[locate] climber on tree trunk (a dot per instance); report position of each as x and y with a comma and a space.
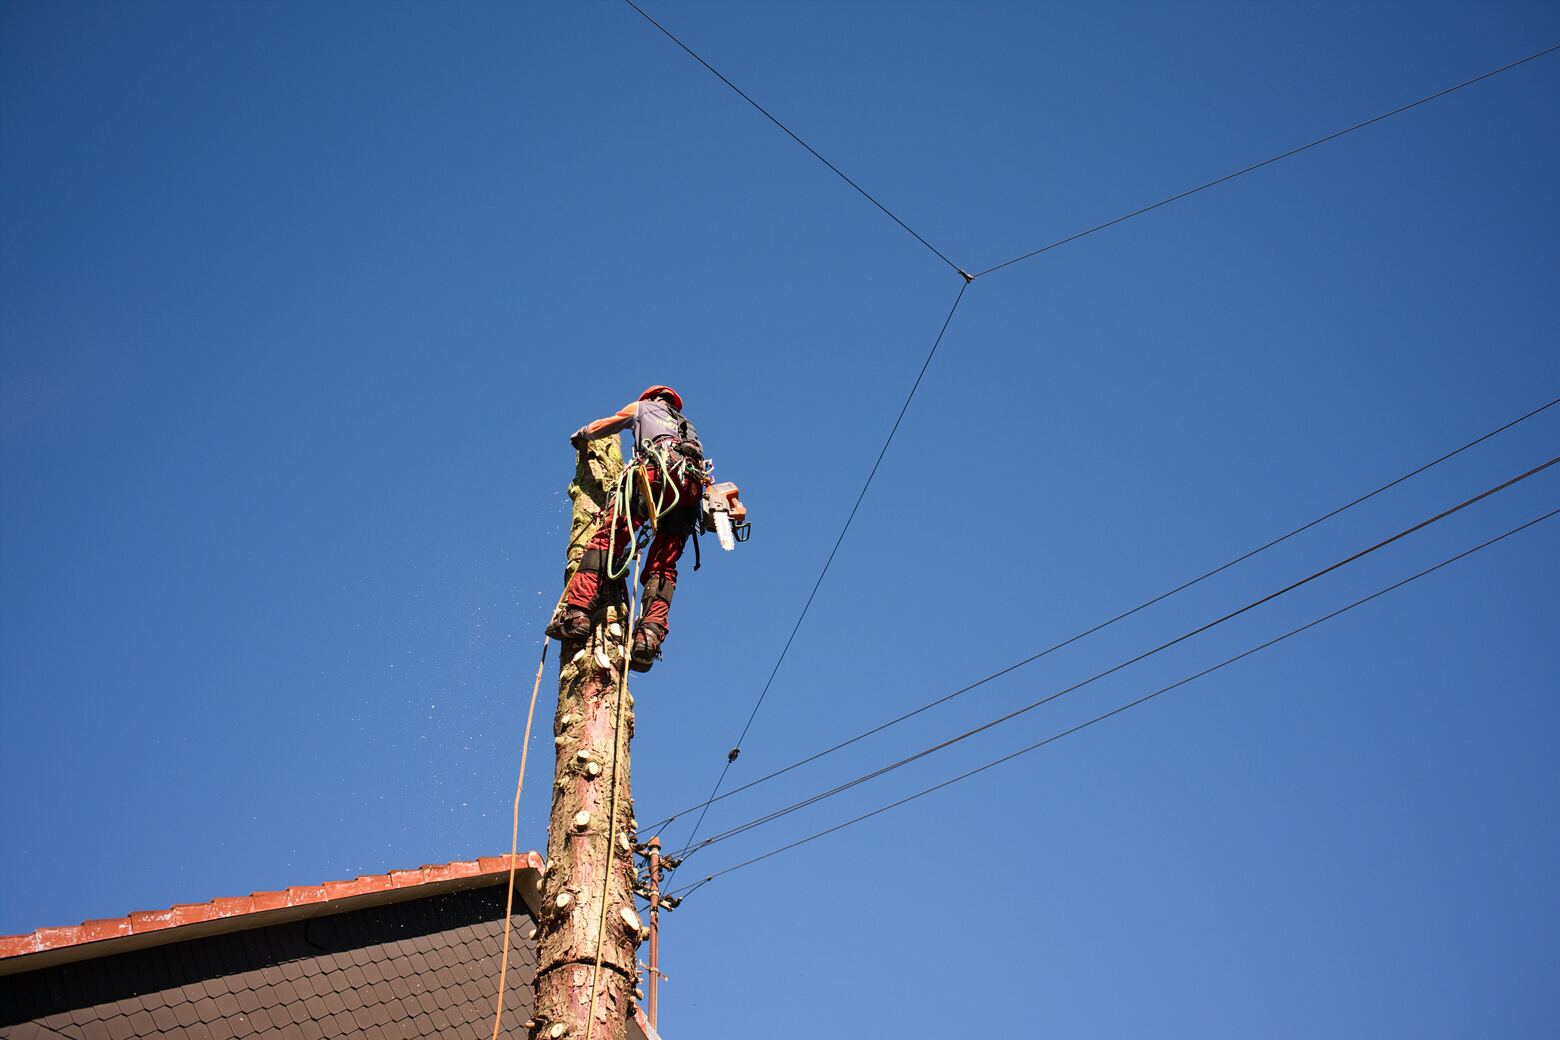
667, 450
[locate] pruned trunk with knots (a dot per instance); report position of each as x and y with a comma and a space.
590, 837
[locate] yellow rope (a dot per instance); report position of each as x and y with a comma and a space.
514, 842
617, 729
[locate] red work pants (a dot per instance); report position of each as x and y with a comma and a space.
660, 565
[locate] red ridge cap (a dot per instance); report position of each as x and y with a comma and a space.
140, 922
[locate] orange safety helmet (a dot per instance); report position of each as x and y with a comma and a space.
656, 391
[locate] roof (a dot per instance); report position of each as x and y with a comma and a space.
421, 968
243, 916
190, 920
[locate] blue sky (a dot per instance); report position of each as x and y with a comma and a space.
299, 303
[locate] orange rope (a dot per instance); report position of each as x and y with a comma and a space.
514, 841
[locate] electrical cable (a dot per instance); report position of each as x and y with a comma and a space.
731, 756
736, 750
683, 852
1268, 162
687, 889
945, 698
793, 136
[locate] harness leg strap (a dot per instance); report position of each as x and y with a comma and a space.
660, 587
658, 601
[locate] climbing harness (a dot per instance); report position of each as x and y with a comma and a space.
635, 478
720, 510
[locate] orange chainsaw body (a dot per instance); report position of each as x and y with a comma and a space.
723, 497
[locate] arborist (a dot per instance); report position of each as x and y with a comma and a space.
671, 484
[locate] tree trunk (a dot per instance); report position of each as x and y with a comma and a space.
591, 834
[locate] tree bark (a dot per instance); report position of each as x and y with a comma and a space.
591, 834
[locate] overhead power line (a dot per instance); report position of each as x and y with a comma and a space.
1009, 716
795, 137
703, 807
736, 749
1113, 712
1268, 162
945, 698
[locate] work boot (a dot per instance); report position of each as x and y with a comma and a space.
647, 646
570, 624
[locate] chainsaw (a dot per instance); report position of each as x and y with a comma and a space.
722, 512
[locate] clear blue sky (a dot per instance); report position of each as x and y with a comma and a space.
299, 303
